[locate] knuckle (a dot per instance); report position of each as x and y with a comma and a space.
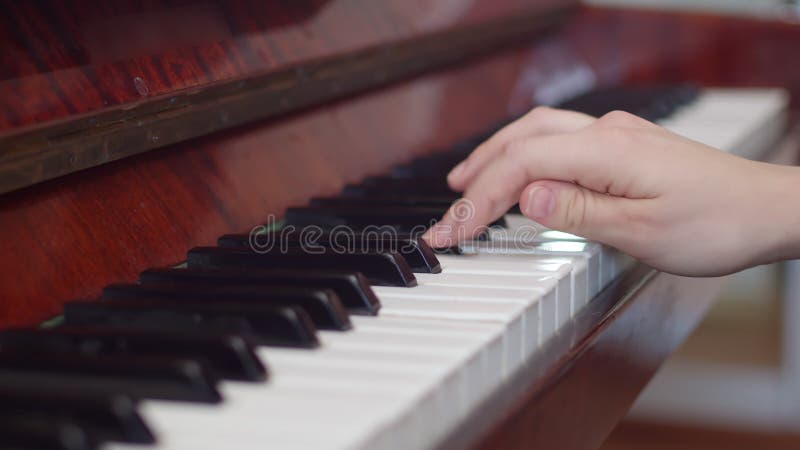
538, 112
618, 118
577, 207
513, 147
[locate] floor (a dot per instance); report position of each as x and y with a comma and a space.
651, 436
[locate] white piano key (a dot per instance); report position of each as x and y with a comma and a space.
511, 315
589, 250
506, 265
490, 333
468, 381
608, 255
545, 285
487, 265
518, 228
622, 262
381, 336
608, 265
733, 120
279, 414
440, 397
339, 400
464, 344
531, 299
570, 271
546, 235
466, 352
492, 354
447, 291
543, 280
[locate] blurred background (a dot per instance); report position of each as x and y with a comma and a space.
735, 384
750, 7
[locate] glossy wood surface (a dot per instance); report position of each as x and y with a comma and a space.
66, 238
58, 73
86, 140
74, 234
650, 46
66, 57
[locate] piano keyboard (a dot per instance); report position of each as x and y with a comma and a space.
368, 349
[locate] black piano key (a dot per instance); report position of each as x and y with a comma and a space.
385, 186
437, 165
424, 185
407, 171
454, 250
430, 167
417, 253
402, 219
229, 356
406, 220
400, 200
264, 324
404, 200
103, 417
351, 287
136, 376
20, 433
380, 268
649, 102
322, 305
685, 94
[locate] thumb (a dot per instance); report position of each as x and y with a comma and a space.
576, 210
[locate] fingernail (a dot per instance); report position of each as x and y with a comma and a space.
541, 202
436, 236
430, 235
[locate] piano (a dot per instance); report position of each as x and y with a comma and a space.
210, 215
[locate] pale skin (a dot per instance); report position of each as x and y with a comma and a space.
673, 203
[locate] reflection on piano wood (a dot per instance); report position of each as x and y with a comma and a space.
517, 340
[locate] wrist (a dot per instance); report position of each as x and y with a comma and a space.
780, 221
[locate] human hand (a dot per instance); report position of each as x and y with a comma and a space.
673, 203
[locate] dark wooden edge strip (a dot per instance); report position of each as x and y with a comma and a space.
552, 362
82, 142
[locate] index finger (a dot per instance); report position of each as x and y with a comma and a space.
565, 157
540, 120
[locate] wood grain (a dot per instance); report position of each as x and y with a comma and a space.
66, 238
86, 140
77, 233
66, 57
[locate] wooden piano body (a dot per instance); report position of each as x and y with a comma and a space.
130, 133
